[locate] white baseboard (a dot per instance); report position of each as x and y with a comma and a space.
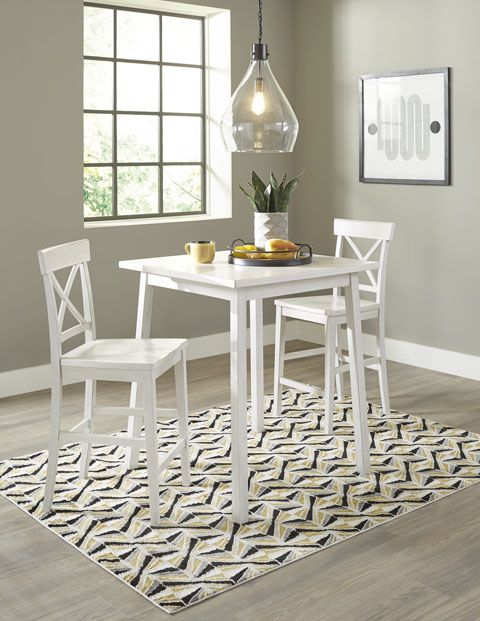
215, 344
441, 360
30, 379
20, 381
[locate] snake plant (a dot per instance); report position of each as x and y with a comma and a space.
273, 197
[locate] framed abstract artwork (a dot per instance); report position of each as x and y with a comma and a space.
405, 127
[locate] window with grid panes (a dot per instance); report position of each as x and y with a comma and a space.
144, 113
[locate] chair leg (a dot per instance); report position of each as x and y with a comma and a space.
151, 444
134, 426
338, 360
382, 369
330, 330
182, 407
90, 394
280, 336
54, 444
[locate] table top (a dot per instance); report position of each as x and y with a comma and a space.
221, 273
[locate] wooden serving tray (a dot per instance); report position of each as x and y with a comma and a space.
302, 256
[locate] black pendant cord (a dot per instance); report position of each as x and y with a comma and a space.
260, 20
260, 49
260, 31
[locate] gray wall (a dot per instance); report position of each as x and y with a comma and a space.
433, 283
318, 51
41, 179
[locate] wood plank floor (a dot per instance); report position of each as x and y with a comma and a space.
425, 565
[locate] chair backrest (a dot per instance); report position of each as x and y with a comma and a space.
74, 255
380, 234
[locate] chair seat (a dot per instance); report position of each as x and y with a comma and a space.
323, 305
138, 354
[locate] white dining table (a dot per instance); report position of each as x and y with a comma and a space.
248, 285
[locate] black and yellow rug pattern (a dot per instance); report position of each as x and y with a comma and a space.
304, 495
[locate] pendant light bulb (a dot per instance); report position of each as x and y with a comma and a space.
258, 101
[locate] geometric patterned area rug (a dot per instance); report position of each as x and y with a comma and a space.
304, 496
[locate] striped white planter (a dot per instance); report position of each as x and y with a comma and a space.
270, 226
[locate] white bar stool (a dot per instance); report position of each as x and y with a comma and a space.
329, 310
121, 360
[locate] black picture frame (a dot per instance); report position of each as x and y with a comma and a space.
446, 180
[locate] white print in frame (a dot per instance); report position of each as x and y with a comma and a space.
405, 127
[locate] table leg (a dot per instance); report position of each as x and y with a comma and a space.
238, 386
357, 376
142, 330
256, 363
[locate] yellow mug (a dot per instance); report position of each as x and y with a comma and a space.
201, 251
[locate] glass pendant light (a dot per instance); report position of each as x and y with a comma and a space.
259, 117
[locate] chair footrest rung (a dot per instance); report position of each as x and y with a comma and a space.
100, 438
284, 381
136, 411
305, 353
367, 363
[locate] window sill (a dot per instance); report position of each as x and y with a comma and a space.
100, 224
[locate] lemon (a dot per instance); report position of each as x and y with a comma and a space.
241, 252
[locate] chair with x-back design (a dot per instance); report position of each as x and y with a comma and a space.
330, 311
140, 361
